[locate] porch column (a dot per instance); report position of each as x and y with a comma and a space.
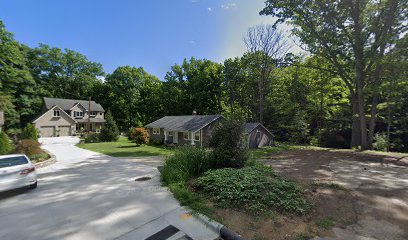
192, 138
165, 136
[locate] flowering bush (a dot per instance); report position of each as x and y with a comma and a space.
139, 135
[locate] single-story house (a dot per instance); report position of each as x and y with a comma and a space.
67, 117
258, 135
184, 130
1, 120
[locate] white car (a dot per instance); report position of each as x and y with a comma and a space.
16, 171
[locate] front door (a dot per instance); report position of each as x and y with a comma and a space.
175, 137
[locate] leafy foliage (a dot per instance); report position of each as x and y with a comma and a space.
109, 131
5, 145
252, 188
28, 147
230, 145
184, 164
139, 135
92, 138
29, 132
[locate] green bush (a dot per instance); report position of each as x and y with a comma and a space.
29, 132
29, 147
380, 142
5, 145
92, 138
184, 164
254, 188
139, 135
230, 145
109, 131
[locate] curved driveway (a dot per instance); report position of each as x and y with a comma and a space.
86, 195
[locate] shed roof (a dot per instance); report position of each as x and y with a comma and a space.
249, 127
67, 104
189, 123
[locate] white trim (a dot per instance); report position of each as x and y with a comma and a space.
52, 109
156, 133
76, 104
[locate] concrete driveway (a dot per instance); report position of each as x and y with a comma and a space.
86, 195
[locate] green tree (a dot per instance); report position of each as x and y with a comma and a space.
29, 132
109, 131
5, 145
351, 35
230, 145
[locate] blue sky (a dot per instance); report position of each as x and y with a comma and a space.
149, 33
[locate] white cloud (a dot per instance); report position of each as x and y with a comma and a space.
209, 9
228, 5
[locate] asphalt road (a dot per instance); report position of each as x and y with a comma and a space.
86, 195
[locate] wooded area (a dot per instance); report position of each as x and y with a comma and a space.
350, 90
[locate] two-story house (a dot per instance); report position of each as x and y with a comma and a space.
67, 117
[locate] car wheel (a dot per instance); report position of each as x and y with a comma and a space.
34, 185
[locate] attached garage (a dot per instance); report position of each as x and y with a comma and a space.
64, 130
55, 122
47, 131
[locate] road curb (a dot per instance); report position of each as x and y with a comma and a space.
47, 162
224, 232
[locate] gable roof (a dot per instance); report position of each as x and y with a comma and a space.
1, 118
67, 104
51, 109
189, 123
249, 127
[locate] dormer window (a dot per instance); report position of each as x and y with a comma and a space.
57, 113
78, 114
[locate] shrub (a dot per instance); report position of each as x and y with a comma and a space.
184, 164
252, 188
29, 132
92, 138
156, 141
230, 145
139, 135
129, 133
109, 131
380, 142
5, 145
29, 147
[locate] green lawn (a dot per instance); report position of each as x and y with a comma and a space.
125, 148
279, 147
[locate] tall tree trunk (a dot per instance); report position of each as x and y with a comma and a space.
355, 131
261, 101
374, 103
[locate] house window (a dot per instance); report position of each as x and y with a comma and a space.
57, 113
156, 130
187, 135
93, 114
78, 114
171, 134
197, 136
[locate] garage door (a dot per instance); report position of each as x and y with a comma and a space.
47, 131
64, 130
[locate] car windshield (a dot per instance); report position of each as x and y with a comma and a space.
12, 161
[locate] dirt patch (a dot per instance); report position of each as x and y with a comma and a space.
330, 206
376, 203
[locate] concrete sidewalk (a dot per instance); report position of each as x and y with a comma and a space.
86, 195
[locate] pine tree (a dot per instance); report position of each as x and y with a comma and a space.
109, 131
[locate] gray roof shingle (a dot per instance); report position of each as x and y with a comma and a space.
67, 104
249, 127
189, 123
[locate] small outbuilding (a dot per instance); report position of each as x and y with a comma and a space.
258, 135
